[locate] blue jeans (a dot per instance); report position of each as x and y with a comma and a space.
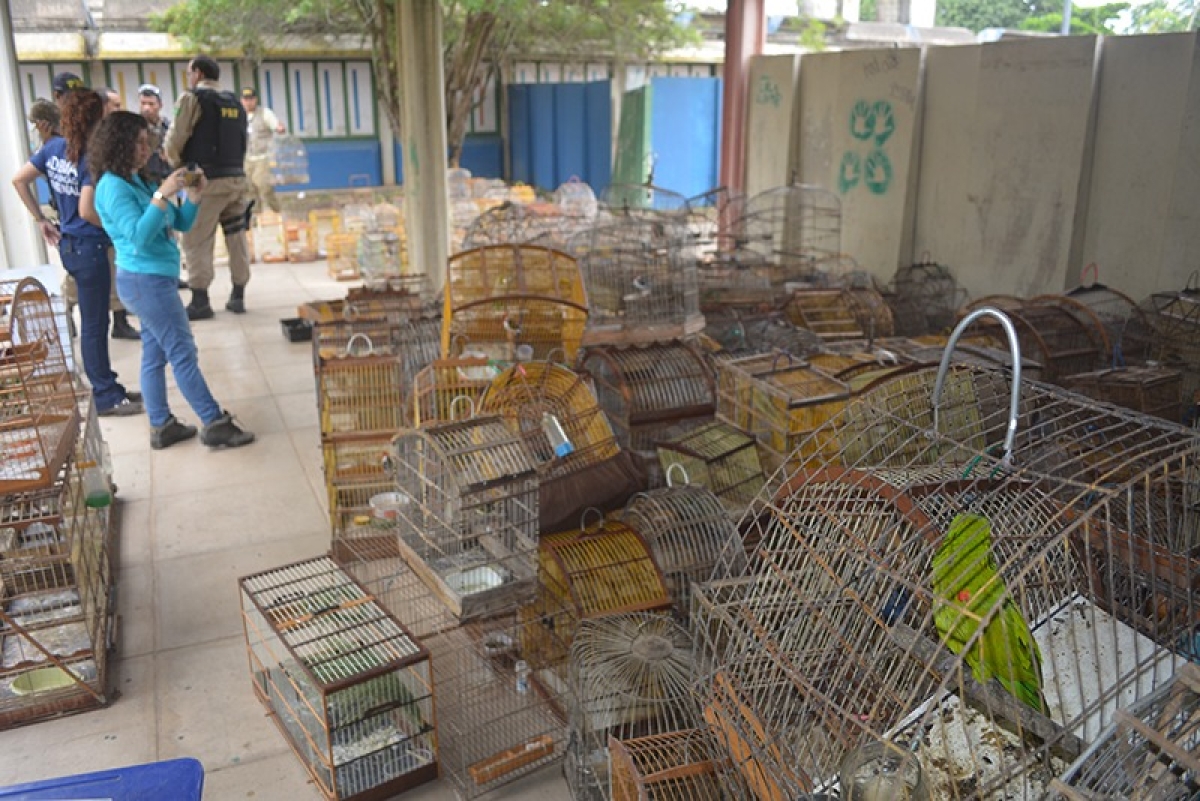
86, 259
166, 339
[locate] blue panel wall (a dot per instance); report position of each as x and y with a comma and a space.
599, 120
560, 131
483, 155
337, 164
685, 134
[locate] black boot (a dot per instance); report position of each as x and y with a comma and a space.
225, 433
199, 308
237, 300
121, 329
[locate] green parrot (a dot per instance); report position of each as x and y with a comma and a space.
967, 586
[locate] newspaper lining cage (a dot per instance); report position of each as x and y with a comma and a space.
502, 297
925, 297
467, 512
39, 420
630, 676
790, 230
1152, 751
641, 281
948, 540
651, 392
676, 766
720, 457
348, 686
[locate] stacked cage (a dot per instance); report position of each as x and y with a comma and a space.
676, 766
506, 301
789, 234
450, 389
1152, 390
924, 298
324, 223
973, 580
350, 688
1174, 322
828, 313
1059, 339
630, 676
719, 457
730, 332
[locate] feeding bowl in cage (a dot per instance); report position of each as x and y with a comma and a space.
387, 505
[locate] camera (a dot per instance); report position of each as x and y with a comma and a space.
193, 176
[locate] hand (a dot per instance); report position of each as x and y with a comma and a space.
50, 233
173, 183
195, 192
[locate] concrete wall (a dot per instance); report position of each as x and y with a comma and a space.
769, 120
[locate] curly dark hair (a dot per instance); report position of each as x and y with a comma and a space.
113, 145
82, 110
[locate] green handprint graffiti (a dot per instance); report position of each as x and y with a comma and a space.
862, 120
877, 172
768, 92
850, 172
885, 121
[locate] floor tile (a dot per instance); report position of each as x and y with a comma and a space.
191, 467
136, 540
131, 472
136, 611
287, 378
275, 776
299, 409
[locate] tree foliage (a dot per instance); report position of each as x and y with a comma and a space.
979, 14
1163, 16
479, 36
1096, 20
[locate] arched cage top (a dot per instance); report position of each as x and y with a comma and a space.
1065, 341
544, 224
791, 228
507, 270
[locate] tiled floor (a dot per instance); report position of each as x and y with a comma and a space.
193, 521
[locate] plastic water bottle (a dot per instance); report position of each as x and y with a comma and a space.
96, 492
558, 438
522, 669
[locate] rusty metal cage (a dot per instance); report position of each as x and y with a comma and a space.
1060, 341
828, 313
720, 457
39, 420
1174, 320
1150, 390
500, 297
676, 766
349, 687
467, 513
924, 298
1151, 751
651, 392
1048, 543
631, 676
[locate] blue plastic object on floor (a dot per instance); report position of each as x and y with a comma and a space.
172, 780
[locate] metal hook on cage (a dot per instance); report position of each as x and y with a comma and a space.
583, 518
359, 338
673, 466
470, 406
1014, 347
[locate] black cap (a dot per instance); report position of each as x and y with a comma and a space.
249, 92
66, 81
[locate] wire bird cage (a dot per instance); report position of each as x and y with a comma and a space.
720, 457
348, 686
740, 334
790, 231
354, 475
1174, 321
870, 310
630, 676
503, 299
950, 540
641, 281
688, 531
651, 392
545, 224
450, 389
1053, 336
1150, 390
1118, 313
642, 201
1152, 751
466, 512
676, 766
925, 298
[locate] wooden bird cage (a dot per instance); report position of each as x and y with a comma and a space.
675, 766
641, 284
500, 297
871, 311
349, 687
354, 474
828, 313
631, 676
39, 417
720, 457
324, 223
1155, 391
450, 389
1056, 338
467, 514
832, 638
688, 531
341, 250
651, 392
1152, 751
924, 298
362, 305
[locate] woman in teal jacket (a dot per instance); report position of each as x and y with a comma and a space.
139, 217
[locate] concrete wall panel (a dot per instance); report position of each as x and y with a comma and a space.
769, 121
1181, 247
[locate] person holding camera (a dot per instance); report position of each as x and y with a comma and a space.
139, 217
209, 130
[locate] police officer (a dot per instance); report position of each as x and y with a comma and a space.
209, 131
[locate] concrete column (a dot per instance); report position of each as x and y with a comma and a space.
745, 33
23, 245
423, 116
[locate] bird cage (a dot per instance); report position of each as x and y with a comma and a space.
644, 201
650, 391
1050, 546
354, 476
518, 224
675, 766
324, 223
348, 686
1152, 751
925, 298
1118, 313
39, 418
720, 457
361, 305
710, 219
450, 389
379, 257
871, 311
748, 334
586, 574
270, 238
342, 252
791, 229
467, 513
687, 529
501, 297
641, 283
630, 676
1174, 319
780, 402
361, 377
1055, 338
828, 313
1150, 390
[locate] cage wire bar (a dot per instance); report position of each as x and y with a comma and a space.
720, 457
1059, 340
738, 334
676, 766
1117, 312
450, 389
1174, 319
630, 676
544, 224
828, 313
925, 298
1085, 522
792, 230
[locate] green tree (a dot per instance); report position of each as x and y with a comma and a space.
1163, 16
1097, 20
479, 36
979, 14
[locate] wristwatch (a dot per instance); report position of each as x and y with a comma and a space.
160, 196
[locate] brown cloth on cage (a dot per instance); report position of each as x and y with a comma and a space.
562, 500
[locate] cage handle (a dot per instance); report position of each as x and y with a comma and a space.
550, 354
1014, 348
677, 466
1094, 269
775, 361
470, 406
359, 337
583, 518
1193, 282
